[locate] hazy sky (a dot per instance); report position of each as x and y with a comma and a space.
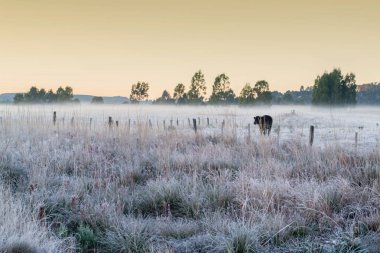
102, 47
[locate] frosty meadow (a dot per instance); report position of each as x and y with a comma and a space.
146, 182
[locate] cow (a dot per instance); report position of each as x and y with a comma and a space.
265, 123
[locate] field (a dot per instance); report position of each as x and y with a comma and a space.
151, 184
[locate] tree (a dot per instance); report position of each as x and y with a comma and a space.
51, 97
139, 91
262, 92
287, 98
19, 98
334, 89
165, 98
41, 96
261, 87
221, 91
64, 94
97, 100
32, 95
179, 93
247, 94
197, 88
165, 95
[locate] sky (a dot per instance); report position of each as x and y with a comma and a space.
102, 47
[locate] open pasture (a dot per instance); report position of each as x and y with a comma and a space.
152, 185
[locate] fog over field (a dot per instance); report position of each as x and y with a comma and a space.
149, 184
333, 126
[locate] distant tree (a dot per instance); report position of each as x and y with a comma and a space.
51, 97
261, 86
139, 92
369, 93
41, 96
179, 93
247, 95
262, 91
64, 94
197, 88
97, 100
334, 89
288, 97
19, 98
165, 95
32, 95
165, 98
221, 91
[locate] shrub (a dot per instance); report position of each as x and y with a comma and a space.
164, 198
86, 237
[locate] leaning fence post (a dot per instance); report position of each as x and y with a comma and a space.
54, 117
311, 137
208, 122
188, 119
195, 125
150, 123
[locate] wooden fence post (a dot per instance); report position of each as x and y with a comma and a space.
223, 124
195, 125
129, 125
177, 122
164, 125
117, 123
54, 117
109, 121
356, 140
199, 121
72, 121
150, 123
208, 122
90, 123
311, 137
188, 119
249, 131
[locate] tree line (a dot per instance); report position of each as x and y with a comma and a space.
221, 92
35, 95
331, 88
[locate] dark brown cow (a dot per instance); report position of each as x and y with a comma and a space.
265, 123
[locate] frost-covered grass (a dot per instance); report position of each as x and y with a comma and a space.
143, 189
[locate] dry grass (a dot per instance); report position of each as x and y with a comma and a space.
105, 190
